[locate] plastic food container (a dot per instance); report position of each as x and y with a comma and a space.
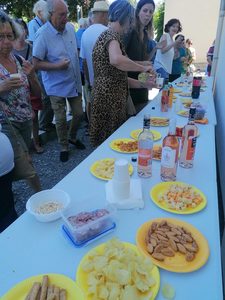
47, 205
200, 113
83, 225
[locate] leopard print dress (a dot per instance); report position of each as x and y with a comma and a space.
109, 93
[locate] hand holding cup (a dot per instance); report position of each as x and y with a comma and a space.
11, 83
63, 64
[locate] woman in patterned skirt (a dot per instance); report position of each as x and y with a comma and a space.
110, 90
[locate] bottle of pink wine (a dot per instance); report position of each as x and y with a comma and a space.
145, 145
170, 152
189, 137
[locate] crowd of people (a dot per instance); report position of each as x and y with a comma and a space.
45, 67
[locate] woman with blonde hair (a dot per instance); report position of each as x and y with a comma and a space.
16, 83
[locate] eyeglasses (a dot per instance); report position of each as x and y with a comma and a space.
10, 37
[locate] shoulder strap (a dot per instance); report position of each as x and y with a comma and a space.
28, 51
19, 59
37, 22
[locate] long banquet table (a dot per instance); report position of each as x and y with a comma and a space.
29, 247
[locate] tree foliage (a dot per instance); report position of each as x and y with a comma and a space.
23, 8
133, 2
159, 20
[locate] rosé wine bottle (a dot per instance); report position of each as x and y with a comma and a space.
170, 152
145, 145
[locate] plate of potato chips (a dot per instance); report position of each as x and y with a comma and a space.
49, 286
104, 168
116, 270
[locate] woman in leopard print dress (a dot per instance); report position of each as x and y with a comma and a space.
110, 90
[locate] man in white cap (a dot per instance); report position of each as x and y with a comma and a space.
89, 38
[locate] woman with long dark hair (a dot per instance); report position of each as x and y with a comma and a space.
137, 42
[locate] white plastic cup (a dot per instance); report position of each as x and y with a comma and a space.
121, 171
16, 75
159, 82
121, 180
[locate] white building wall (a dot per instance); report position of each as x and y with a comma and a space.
199, 20
219, 97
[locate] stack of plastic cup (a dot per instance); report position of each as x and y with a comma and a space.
121, 180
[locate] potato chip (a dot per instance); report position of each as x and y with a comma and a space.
119, 273
103, 292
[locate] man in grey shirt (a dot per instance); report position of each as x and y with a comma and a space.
55, 54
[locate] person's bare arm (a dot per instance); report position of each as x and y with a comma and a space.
122, 62
9, 84
136, 84
167, 47
159, 45
45, 65
29, 70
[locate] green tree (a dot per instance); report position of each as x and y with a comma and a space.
133, 2
23, 9
159, 20
18, 8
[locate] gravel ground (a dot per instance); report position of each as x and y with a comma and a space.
49, 167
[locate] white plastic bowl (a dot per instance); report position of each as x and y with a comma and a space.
40, 198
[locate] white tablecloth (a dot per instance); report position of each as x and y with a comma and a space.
29, 247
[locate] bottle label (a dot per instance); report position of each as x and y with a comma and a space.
164, 102
168, 159
144, 157
196, 82
191, 144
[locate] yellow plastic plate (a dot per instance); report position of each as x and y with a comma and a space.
176, 263
183, 113
176, 91
159, 122
181, 84
162, 187
156, 134
186, 101
101, 168
20, 291
113, 145
185, 94
82, 276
